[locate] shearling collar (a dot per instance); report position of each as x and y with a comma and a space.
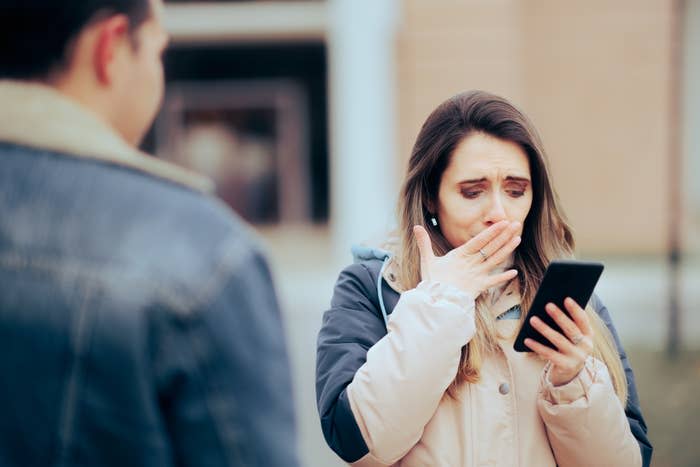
38, 116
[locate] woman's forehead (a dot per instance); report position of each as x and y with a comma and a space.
480, 155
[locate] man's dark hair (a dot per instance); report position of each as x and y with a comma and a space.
36, 35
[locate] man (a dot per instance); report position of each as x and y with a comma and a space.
138, 322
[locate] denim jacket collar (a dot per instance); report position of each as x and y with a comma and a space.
38, 116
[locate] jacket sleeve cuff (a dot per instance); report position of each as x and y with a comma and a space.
575, 389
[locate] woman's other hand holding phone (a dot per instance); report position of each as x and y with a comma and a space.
573, 347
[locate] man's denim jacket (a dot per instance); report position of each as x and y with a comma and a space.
138, 322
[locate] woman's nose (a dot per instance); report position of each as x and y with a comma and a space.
496, 212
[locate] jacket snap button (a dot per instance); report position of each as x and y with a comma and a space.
504, 388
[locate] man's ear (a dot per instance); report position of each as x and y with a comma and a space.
112, 36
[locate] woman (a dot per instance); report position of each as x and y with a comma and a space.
415, 362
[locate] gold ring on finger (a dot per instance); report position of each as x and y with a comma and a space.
576, 340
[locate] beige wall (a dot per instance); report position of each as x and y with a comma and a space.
595, 77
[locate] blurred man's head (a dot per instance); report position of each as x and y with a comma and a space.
106, 54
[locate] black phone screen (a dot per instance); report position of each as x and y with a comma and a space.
563, 278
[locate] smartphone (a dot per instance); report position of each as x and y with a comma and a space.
563, 278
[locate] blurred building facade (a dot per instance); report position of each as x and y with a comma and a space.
596, 78
608, 84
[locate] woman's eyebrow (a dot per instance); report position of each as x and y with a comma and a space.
514, 178
473, 180
509, 178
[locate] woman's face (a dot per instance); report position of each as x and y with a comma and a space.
487, 180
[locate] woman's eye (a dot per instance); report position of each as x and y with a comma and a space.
516, 193
470, 194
